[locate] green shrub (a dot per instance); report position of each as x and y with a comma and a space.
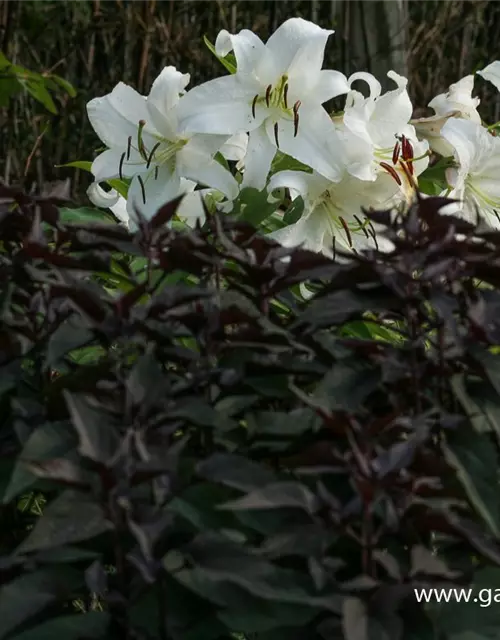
188, 451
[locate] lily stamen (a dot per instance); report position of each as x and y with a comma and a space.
129, 146
408, 173
140, 143
406, 148
347, 230
156, 172
296, 107
395, 153
254, 104
392, 172
268, 94
409, 164
152, 154
362, 226
285, 95
141, 182
276, 134
120, 167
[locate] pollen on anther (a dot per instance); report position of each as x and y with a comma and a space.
285, 95
268, 94
395, 153
407, 148
129, 146
392, 172
276, 134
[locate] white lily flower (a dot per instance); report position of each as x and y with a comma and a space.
190, 208
475, 180
459, 99
146, 143
457, 102
332, 217
276, 94
382, 121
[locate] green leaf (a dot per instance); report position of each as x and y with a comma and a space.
82, 215
481, 404
9, 87
229, 61
67, 86
347, 385
29, 594
51, 440
291, 495
77, 164
235, 471
294, 211
71, 517
120, 185
252, 206
68, 337
474, 459
38, 90
93, 624
99, 437
283, 162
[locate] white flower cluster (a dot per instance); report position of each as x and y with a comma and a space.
369, 155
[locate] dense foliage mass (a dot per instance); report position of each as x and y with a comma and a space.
191, 451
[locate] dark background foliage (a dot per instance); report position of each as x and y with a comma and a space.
96, 44
188, 452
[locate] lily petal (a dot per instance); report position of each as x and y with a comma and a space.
465, 137
248, 48
236, 147
316, 143
308, 185
221, 106
191, 208
258, 159
301, 42
116, 116
330, 84
163, 100
166, 89
458, 99
309, 231
491, 73
372, 82
108, 164
109, 200
100, 198
199, 166
392, 111
156, 192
